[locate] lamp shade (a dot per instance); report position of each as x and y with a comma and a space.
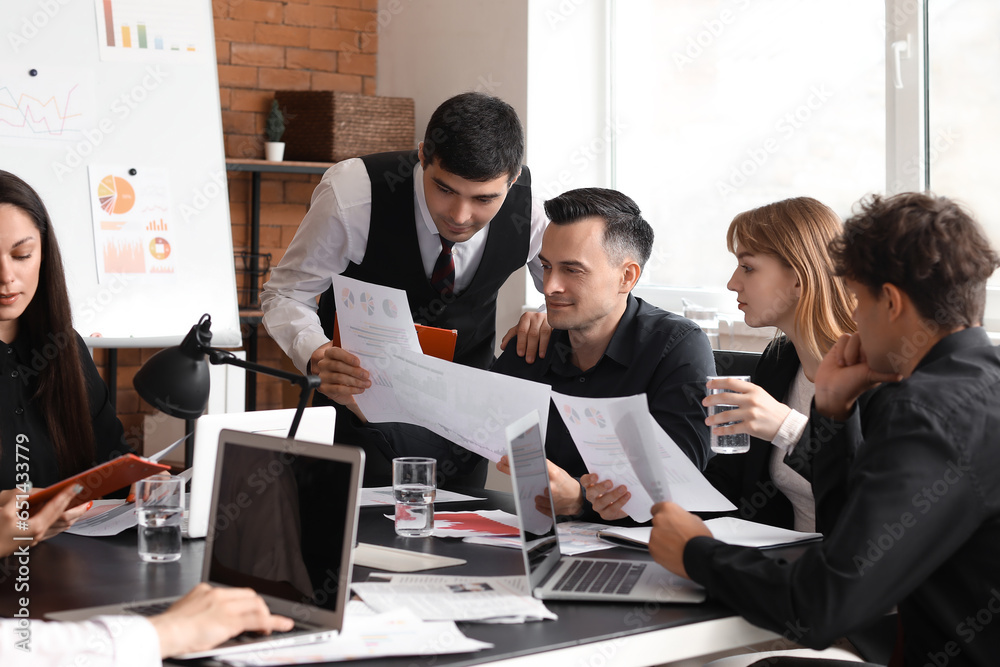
176, 380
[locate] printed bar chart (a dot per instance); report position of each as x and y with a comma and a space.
109, 23
150, 25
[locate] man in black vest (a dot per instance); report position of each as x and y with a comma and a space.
448, 223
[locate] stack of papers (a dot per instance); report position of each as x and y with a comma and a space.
382, 495
575, 537
442, 598
105, 518
369, 635
725, 529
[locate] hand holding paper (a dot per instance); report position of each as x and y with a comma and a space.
617, 438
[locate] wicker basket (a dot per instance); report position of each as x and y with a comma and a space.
325, 126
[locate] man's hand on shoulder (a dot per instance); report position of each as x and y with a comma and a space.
843, 375
341, 376
532, 332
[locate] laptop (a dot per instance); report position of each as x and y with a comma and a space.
283, 521
552, 576
316, 426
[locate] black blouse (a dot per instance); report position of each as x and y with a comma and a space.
22, 418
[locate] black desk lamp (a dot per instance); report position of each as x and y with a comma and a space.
176, 380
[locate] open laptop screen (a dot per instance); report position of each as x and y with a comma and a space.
282, 520
526, 454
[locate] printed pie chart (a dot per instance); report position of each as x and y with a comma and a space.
367, 302
159, 248
115, 195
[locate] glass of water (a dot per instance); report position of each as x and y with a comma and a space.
727, 444
414, 487
159, 503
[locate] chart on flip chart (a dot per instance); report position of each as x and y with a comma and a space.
110, 110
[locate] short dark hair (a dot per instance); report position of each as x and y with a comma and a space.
476, 137
626, 233
927, 246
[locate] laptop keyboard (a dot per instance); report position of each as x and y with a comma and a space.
607, 577
148, 609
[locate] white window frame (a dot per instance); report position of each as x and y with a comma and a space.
907, 147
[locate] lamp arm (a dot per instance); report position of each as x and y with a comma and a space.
306, 382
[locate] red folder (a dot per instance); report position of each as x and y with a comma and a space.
434, 342
99, 480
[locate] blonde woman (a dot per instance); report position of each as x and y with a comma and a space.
784, 279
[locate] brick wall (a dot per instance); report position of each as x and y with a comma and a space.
263, 46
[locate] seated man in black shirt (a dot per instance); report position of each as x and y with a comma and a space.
916, 478
606, 342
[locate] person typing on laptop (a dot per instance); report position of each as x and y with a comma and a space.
202, 619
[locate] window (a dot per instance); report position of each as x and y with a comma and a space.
725, 106
964, 105
699, 110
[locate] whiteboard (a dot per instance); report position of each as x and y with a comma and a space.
82, 112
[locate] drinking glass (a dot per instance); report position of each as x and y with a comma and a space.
159, 503
414, 487
727, 444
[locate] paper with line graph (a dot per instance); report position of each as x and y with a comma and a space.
371, 319
620, 440
133, 226
467, 406
57, 104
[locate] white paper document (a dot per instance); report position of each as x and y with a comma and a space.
373, 319
442, 598
370, 635
730, 530
382, 495
606, 430
105, 518
468, 406
575, 537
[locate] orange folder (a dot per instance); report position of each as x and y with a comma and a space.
99, 480
434, 342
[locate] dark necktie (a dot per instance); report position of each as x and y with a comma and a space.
443, 277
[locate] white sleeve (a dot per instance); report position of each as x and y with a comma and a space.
538, 224
790, 431
333, 233
106, 641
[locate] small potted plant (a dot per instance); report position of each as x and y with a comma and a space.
274, 147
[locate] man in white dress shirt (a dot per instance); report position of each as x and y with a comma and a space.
448, 223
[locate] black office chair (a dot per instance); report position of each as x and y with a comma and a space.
735, 362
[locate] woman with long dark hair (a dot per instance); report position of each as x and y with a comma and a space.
56, 418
